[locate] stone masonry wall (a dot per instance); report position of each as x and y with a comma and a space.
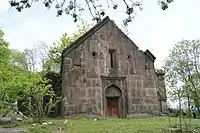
162, 92
83, 68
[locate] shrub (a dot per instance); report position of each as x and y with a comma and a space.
38, 109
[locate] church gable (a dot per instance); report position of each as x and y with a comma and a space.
104, 38
104, 63
110, 28
85, 36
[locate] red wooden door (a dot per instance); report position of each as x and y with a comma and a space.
112, 107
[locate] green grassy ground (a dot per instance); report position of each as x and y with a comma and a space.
145, 125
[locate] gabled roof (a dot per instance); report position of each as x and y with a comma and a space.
86, 35
90, 32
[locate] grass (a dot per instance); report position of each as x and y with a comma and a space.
143, 125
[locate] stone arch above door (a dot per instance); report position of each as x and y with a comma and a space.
113, 91
114, 88
113, 98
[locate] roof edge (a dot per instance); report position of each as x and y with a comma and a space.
150, 55
125, 35
160, 72
82, 38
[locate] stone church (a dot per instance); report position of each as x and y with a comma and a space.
105, 74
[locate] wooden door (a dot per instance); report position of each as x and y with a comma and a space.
113, 106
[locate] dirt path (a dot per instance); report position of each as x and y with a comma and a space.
12, 130
20, 130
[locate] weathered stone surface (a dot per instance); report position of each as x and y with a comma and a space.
5, 120
13, 130
108, 58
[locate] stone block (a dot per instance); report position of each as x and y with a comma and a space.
98, 96
5, 120
91, 92
136, 101
133, 92
89, 109
138, 92
71, 108
132, 71
91, 73
143, 92
99, 104
138, 83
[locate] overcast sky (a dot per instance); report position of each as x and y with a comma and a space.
151, 29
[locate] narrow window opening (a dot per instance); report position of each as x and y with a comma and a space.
112, 58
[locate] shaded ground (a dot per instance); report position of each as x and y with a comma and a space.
12, 130
22, 130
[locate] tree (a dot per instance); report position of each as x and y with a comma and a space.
20, 80
30, 58
74, 8
54, 56
18, 59
4, 70
182, 68
4, 58
41, 51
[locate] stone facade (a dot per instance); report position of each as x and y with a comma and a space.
105, 74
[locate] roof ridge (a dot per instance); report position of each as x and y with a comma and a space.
86, 35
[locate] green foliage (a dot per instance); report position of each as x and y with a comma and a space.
81, 117
183, 70
5, 73
140, 125
4, 62
38, 108
38, 129
54, 57
18, 59
19, 81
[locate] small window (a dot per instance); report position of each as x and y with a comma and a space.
76, 58
101, 56
94, 54
112, 58
129, 56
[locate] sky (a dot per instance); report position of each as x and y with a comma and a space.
152, 28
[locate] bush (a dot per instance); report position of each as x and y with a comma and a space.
177, 112
38, 109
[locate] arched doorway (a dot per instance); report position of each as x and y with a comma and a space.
113, 96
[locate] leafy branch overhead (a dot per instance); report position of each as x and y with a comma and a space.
75, 8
